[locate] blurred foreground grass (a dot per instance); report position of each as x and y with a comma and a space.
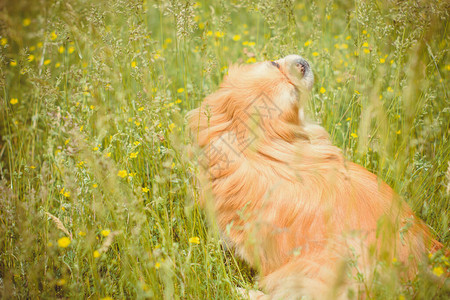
97, 194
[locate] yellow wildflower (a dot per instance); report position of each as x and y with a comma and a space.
82, 233
251, 60
26, 22
47, 61
307, 43
105, 232
251, 44
13, 101
3, 41
157, 265
180, 90
64, 242
136, 143
322, 90
365, 45
57, 65
236, 37
382, 60
438, 271
30, 57
133, 64
141, 108
66, 194
95, 185
61, 49
96, 254
145, 189
39, 44
61, 282
219, 34
53, 36
315, 53
133, 154
122, 173
194, 240
354, 135
398, 132
13, 63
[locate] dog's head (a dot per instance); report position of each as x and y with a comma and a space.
297, 70
262, 99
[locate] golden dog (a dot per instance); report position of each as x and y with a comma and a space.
286, 199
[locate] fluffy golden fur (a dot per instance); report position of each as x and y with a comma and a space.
285, 198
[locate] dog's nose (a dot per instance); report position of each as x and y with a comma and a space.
304, 66
304, 63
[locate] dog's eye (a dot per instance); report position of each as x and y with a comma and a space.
275, 64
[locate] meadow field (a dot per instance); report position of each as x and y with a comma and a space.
98, 171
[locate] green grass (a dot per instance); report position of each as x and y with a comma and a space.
102, 88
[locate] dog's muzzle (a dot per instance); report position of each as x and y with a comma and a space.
303, 64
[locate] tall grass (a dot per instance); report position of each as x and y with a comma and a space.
97, 177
